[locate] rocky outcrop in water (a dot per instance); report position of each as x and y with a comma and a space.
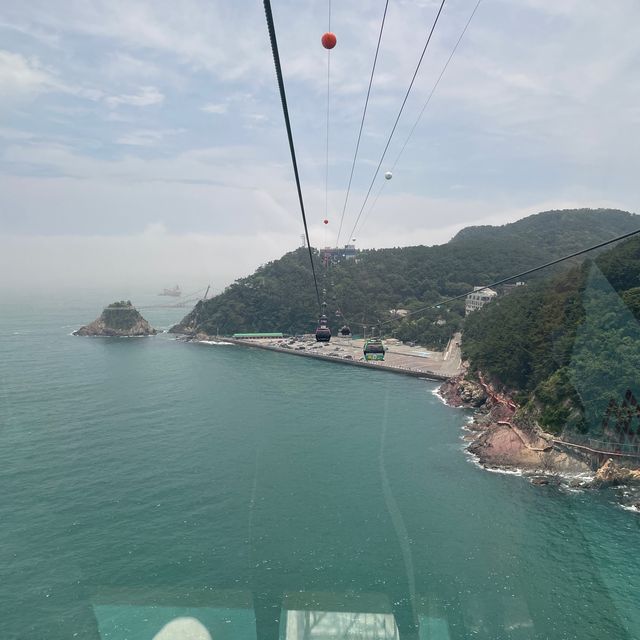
459, 392
120, 320
611, 474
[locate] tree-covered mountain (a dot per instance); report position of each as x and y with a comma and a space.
569, 346
280, 295
542, 227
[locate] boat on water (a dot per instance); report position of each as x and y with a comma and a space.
176, 292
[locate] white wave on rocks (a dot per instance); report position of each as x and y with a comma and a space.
631, 507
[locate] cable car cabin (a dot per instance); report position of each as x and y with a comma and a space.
374, 349
323, 333
345, 331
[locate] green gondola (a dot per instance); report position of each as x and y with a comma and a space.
374, 349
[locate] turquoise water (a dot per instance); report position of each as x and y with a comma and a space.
263, 496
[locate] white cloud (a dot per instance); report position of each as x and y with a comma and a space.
145, 97
45, 37
121, 65
152, 258
255, 120
15, 134
20, 75
216, 109
190, 31
147, 137
231, 167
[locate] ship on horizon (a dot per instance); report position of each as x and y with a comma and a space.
174, 293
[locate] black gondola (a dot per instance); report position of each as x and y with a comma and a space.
323, 332
345, 331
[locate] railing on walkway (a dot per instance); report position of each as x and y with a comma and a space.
605, 447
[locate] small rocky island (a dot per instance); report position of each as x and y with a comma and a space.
121, 320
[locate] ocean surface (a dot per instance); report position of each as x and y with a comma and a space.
156, 490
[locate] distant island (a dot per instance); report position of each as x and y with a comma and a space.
120, 320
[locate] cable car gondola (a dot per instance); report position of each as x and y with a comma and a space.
345, 331
374, 349
323, 332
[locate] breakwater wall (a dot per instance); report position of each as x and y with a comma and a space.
380, 366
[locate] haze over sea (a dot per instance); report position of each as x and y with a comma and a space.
144, 480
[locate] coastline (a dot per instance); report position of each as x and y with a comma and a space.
494, 439
495, 442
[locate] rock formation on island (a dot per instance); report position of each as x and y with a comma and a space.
119, 319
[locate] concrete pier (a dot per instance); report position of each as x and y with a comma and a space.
413, 361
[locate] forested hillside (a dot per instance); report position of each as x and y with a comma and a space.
569, 346
280, 297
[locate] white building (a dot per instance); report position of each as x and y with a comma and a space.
478, 299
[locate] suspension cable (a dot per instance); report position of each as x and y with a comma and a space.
424, 108
364, 113
326, 171
285, 111
518, 275
404, 102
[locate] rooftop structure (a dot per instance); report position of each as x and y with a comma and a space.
478, 299
508, 288
337, 254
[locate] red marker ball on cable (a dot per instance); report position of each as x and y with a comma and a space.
325, 221
329, 40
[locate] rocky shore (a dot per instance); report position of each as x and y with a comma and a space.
119, 320
500, 438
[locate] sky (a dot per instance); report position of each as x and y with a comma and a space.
143, 141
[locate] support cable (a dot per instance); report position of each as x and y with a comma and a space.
326, 172
404, 102
364, 113
285, 111
424, 108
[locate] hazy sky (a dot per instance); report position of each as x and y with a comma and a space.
144, 141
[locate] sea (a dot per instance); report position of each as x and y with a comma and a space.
152, 489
